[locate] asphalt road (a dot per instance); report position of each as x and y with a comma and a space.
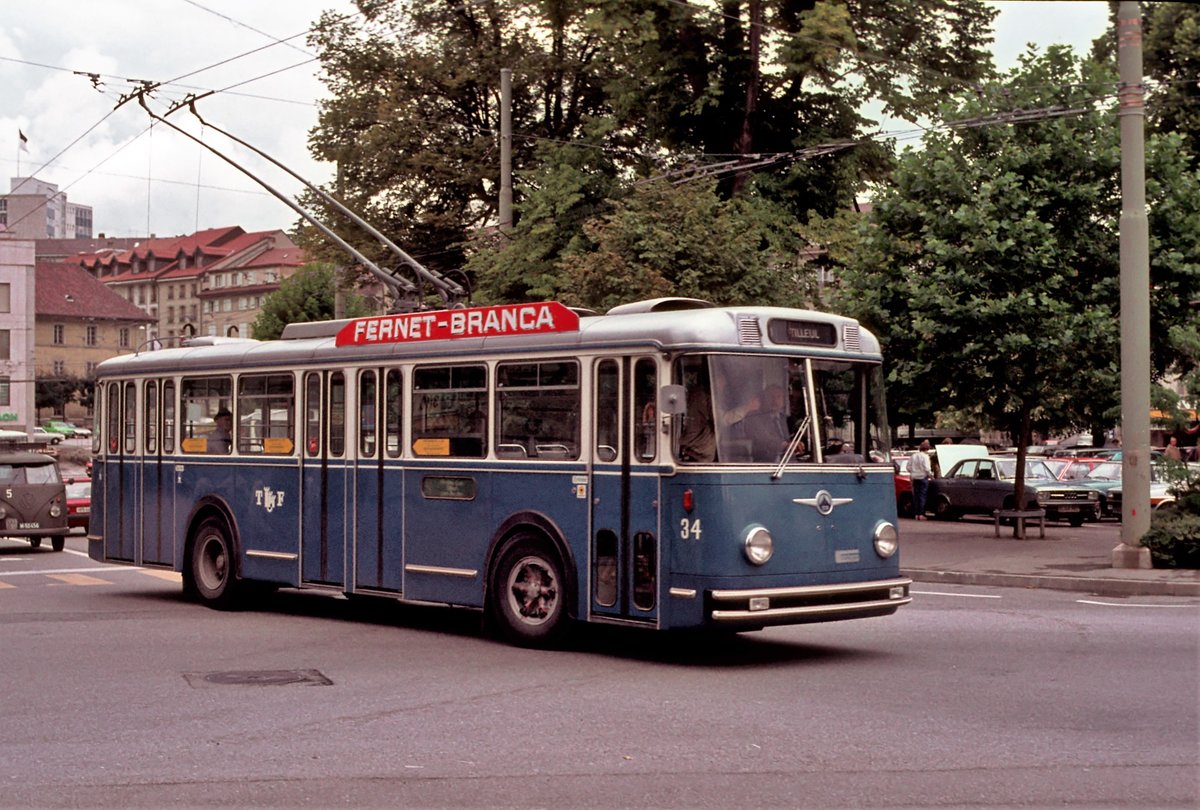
117, 693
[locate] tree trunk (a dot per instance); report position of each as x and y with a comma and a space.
1023, 434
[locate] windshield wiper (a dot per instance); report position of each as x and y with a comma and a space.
791, 448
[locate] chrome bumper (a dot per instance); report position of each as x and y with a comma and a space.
760, 607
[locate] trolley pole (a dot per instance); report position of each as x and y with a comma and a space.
1135, 296
506, 198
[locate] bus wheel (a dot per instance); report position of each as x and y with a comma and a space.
211, 565
528, 594
58, 543
35, 542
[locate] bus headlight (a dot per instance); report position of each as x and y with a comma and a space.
887, 540
758, 545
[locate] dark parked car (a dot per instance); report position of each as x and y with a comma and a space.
982, 485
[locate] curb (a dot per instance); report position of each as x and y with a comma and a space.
1101, 586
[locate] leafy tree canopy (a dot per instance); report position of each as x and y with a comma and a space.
647, 87
307, 295
990, 264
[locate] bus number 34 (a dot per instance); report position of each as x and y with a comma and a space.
689, 529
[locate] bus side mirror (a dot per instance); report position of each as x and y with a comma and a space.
672, 400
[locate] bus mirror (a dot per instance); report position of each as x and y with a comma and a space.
672, 400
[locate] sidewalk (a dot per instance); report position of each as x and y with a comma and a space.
968, 552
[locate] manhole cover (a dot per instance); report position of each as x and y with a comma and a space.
259, 677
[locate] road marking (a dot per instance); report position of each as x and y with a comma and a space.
963, 595
4, 585
169, 576
79, 579
1128, 604
111, 569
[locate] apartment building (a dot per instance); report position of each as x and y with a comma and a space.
35, 209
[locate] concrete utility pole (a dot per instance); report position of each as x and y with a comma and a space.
506, 211
1135, 296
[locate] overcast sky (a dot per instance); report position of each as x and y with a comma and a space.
141, 181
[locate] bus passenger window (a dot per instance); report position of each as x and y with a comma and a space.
168, 412
449, 411
537, 410
266, 422
645, 391
608, 406
151, 395
130, 426
393, 412
337, 414
367, 408
312, 414
203, 399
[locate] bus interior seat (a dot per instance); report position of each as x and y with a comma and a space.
511, 451
553, 451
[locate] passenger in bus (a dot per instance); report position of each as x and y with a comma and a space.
220, 439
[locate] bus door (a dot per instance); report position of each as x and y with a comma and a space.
624, 554
122, 502
378, 486
158, 488
325, 492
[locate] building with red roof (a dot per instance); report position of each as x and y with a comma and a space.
211, 282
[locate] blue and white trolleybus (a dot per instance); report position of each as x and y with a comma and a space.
669, 464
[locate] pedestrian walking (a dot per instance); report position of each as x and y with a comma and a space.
918, 473
1172, 450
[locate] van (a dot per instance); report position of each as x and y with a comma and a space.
33, 501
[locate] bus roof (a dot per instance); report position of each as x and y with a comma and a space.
640, 326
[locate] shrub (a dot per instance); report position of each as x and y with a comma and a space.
1174, 539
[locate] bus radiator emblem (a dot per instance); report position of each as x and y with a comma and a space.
824, 503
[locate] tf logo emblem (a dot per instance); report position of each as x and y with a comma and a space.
268, 498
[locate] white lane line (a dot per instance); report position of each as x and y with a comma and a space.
112, 569
963, 595
1128, 604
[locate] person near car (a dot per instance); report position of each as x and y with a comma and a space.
918, 473
1172, 450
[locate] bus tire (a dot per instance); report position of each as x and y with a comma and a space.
528, 594
58, 543
211, 566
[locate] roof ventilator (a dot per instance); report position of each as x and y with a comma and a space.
851, 338
749, 332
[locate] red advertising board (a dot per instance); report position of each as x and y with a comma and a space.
453, 324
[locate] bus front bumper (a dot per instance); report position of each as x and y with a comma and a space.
762, 607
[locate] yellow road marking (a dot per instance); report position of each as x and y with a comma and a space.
169, 576
4, 585
79, 579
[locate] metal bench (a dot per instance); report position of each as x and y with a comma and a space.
1020, 516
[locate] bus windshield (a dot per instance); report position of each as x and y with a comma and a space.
751, 409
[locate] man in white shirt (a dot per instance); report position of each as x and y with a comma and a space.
918, 472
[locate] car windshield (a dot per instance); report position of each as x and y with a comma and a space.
1108, 471
1035, 470
749, 408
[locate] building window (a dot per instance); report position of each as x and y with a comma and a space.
60, 368
123, 338
170, 293
4, 391
5, 344
59, 334
5, 297
170, 314
91, 336
90, 368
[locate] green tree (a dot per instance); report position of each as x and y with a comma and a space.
990, 265
307, 295
56, 392
649, 86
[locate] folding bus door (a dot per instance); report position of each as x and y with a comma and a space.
378, 482
157, 485
325, 483
624, 555
122, 474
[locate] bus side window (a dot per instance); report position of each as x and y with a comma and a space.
151, 396
266, 422
113, 425
312, 415
645, 391
203, 399
337, 414
367, 407
449, 411
168, 412
537, 410
608, 406
130, 422
393, 411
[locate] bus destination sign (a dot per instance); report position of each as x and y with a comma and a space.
452, 324
802, 333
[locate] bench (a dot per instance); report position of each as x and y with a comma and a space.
1022, 515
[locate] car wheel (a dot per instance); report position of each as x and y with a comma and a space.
904, 505
528, 594
942, 509
213, 577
